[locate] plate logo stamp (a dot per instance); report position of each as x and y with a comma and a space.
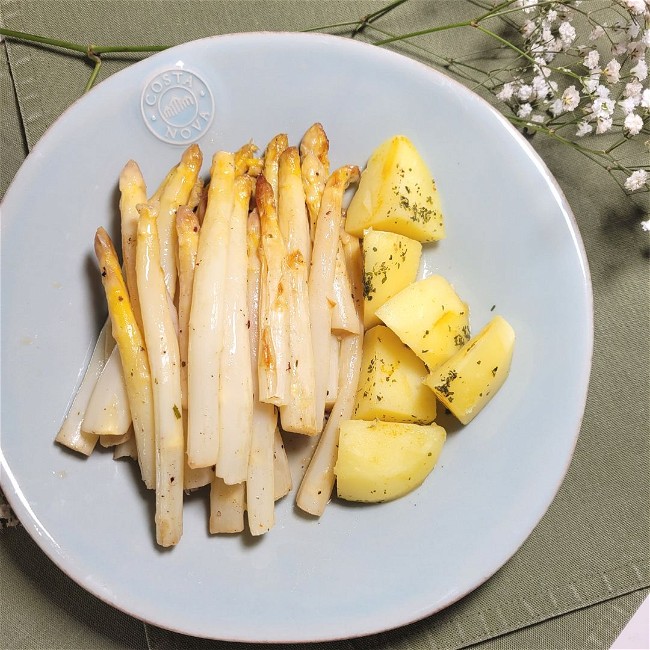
177, 106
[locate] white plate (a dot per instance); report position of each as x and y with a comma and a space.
512, 242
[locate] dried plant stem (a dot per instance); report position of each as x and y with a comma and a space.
91, 52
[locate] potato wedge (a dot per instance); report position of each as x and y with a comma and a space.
390, 387
469, 379
380, 461
390, 264
429, 317
397, 193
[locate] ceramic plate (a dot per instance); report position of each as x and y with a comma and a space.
512, 248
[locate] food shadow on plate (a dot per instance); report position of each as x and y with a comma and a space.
96, 294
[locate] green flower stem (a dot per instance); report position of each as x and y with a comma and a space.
33, 38
440, 28
424, 32
370, 18
91, 52
97, 65
77, 47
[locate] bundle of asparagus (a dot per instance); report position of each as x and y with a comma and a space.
235, 316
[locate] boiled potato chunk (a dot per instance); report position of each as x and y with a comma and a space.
390, 385
429, 317
379, 461
469, 379
390, 263
396, 193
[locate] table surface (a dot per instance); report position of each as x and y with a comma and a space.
585, 570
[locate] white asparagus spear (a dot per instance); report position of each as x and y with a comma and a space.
108, 413
260, 478
333, 372
227, 505
282, 482
112, 441
273, 352
292, 210
246, 162
70, 434
176, 192
194, 477
206, 316
235, 380
131, 345
316, 487
344, 318
354, 266
321, 275
164, 361
127, 449
314, 149
161, 188
195, 195
299, 413
272, 161
133, 191
187, 230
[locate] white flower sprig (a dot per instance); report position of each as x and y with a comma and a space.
569, 89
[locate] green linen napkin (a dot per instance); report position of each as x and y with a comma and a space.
584, 569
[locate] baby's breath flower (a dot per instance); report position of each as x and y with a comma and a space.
524, 111
567, 33
603, 124
584, 128
591, 82
525, 92
636, 50
541, 88
591, 60
640, 70
628, 104
633, 123
612, 71
633, 89
645, 225
603, 92
527, 5
632, 30
570, 98
596, 33
602, 108
645, 98
506, 92
636, 180
528, 28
